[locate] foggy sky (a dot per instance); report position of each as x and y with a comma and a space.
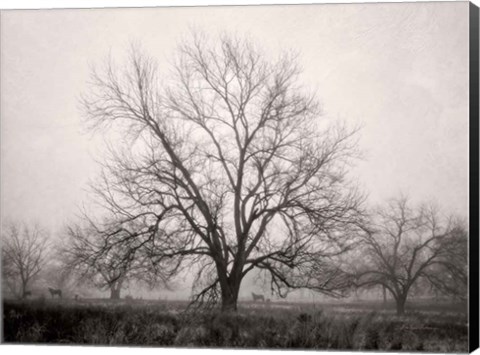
398, 70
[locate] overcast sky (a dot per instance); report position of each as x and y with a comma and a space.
400, 70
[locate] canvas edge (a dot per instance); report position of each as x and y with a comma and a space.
474, 178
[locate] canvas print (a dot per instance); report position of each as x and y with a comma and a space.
266, 177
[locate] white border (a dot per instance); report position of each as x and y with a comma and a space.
42, 4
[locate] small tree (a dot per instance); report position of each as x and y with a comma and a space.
109, 258
404, 245
24, 255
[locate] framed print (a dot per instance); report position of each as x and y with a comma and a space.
299, 177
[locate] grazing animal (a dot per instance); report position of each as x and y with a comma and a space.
258, 297
76, 297
54, 292
26, 294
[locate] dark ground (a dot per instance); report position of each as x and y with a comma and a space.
427, 326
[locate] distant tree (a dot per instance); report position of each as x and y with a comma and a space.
24, 255
403, 246
449, 275
109, 259
229, 166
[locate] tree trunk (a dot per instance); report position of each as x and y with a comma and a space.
230, 290
384, 291
115, 288
115, 292
401, 300
24, 290
229, 303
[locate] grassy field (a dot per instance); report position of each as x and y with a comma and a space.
361, 325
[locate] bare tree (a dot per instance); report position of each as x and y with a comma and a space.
404, 246
109, 259
229, 167
24, 255
449, 275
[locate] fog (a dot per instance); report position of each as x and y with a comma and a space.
400, 71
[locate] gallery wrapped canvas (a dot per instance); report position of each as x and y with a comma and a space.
264, 177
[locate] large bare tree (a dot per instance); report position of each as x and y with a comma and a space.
404, 246
24, 255
229, 166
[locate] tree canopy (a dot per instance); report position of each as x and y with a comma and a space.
24, 256
227, 165
111, 257
404, 245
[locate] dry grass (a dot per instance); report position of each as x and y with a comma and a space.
276, 326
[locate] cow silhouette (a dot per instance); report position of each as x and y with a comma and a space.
54, 292
258, 297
